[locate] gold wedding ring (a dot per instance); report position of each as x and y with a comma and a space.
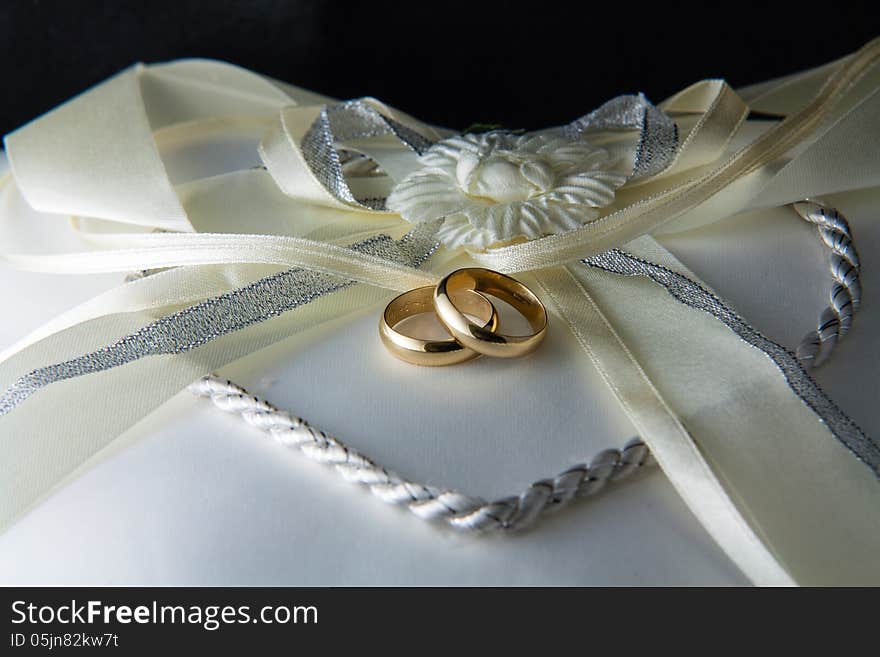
485, 339
432, 352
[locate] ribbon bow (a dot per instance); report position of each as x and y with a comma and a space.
288, 213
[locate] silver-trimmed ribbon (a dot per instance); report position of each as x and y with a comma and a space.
211, 318
358, 119
690, 293
658, 133
352, 119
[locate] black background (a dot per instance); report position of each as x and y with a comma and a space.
526, 64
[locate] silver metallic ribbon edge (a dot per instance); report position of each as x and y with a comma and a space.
658, 133
198, 324
357, 119
353, 119
690, 293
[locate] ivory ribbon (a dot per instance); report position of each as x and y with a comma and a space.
670, 442
174, 250
126, 164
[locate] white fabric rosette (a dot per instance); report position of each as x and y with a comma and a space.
496, 187
321, 208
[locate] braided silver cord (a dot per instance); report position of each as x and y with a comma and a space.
846, 290
457, 510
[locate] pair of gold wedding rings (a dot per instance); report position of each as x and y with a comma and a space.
455, 299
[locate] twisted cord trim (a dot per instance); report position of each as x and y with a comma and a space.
845, 294
457, 510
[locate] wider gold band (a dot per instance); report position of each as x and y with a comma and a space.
484, 339
432, 353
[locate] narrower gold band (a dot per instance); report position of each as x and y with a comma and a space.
485, 339
432, 353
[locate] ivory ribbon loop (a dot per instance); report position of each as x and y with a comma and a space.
300, 151
281, 154
94, 169
108, 166
720, 113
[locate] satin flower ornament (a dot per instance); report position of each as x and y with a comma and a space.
500, 186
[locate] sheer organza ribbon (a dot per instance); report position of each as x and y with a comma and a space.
106, 158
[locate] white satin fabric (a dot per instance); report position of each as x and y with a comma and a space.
761, 521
